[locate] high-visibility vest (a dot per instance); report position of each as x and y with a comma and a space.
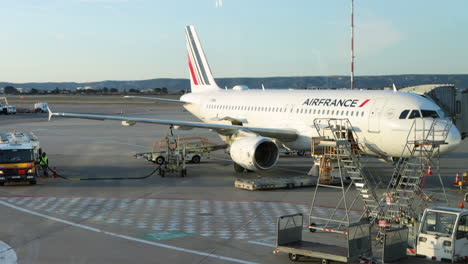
44, 161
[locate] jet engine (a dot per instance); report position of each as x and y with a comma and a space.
254, 153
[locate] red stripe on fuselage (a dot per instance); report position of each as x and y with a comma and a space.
191, 71
364, 103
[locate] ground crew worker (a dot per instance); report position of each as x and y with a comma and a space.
44, 164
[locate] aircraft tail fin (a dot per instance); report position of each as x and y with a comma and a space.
201, 79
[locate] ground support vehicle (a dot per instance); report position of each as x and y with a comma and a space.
19, 157
173, 163
5, 108
354, 241
195, 149
41, 107
274, 182
288, 152
443, 234
172, 159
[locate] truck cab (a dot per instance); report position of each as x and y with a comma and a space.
443, 234
6, 108
41, 107
19, 155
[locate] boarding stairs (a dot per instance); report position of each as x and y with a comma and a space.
404, 198
341, 144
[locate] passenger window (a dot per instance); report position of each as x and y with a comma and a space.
362, 114
352, 113
414, 114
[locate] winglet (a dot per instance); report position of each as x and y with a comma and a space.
50, 113
394, 87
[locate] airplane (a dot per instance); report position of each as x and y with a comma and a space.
257, 123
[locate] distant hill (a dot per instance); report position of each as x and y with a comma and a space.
460, 81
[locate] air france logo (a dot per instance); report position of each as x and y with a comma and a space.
334, 102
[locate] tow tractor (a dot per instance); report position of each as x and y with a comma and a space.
19, 156
443, 234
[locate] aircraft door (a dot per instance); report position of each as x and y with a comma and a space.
290, 111
375, 115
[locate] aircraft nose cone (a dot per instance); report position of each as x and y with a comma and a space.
453, 139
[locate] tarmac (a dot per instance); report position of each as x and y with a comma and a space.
200, 218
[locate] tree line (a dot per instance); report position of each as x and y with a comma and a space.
105, 90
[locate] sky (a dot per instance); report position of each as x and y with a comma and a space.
95, 40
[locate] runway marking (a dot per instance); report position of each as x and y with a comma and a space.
154, 198
266, 241
7, 254
125, 236
261, 243
236, 220
166, 235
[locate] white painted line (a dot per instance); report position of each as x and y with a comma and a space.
261, 244
126, 237
7, 254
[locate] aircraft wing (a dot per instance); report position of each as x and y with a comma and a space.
157, 99
281, 134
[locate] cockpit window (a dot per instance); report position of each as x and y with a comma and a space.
429, 113
404, 114
414, 114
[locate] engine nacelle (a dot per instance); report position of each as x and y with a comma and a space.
254, 153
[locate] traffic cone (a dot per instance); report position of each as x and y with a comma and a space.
457, 178
429, 170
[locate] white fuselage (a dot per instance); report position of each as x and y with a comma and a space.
374, 114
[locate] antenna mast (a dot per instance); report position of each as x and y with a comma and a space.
352, 44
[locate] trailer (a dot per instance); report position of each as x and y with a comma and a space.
355, 241
196, 148
266, 183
